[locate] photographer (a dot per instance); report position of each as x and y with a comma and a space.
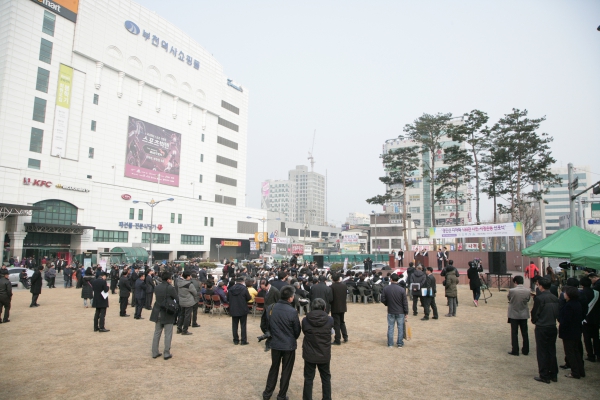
474, 280
284, 327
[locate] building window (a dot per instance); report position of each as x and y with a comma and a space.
39, 110
414, 197
94, 125
43, 77
132, 213
96, 98
200, 197
160, 238
227, 142
172, 218
140, 215
247, 227
34, 164
230, 107
179, 218
226, 181
227, 124
49, 23
212, 221
202, 137
205, 221
200, 178
46, 51
201, 157
89, 177
55, 212
91, 152
111, 236
35, 140
193, 239
229, 200
227, 161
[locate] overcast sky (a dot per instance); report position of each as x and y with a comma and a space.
358, 71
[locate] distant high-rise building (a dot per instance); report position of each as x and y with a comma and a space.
356, 218
418, 201
279, 196
558, 197
310, 195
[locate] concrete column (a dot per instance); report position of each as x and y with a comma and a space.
175, 100
120, 84
190, 108
2, 233
140, 99
98, 79
158, 96
16, 244
204, 119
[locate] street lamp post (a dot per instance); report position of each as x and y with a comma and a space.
152, 204
218, 246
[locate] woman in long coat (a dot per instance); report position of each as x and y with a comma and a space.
474, 281
87, 292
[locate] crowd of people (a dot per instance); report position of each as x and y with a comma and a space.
176, 294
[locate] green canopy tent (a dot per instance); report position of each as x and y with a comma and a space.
563, 244
589, 257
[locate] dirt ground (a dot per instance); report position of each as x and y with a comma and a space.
52, 352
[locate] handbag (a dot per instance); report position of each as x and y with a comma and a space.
424, 292
415, 289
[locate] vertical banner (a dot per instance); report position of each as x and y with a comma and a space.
61, 112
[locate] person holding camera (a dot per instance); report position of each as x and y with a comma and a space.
474, 280
284, 328
165, 294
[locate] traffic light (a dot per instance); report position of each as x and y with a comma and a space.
596, 189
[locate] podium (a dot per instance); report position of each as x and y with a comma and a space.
392, 261
424, 260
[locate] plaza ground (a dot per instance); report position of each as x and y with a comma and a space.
52, 352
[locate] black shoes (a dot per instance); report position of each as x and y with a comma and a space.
158, 355
104, 330
179, 331
195, 326
169, 356
126, 315
186, 333
513, 354
235, 342
565, 366
591, 359
244, 343
537, 378
345, 340
336, 343
425, 319
138, 317
434, 318
96, 329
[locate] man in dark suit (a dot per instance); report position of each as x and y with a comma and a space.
272, 296
238, 298
163, 320
440, 259
429, 300
100, 288
135, 274
124, 292
140, 296
36, 286
114, 278
150, 284
338, 309
518, 314
544, 315
322, 291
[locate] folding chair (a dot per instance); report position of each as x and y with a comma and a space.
219, 305
208, 303
259, 305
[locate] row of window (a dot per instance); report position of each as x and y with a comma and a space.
225, 200
230, 107
226, 181
179, 216
228, 124
160, 238
227, 161
227, 142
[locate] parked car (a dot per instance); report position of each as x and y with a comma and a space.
13, 274
217, 271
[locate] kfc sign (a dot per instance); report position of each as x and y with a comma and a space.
36, 182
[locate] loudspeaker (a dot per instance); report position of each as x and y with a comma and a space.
497, 262
319, 260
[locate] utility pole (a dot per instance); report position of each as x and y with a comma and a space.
571, 198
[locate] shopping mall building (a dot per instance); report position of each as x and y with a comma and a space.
104, 107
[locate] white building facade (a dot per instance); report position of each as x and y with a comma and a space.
279, 196
310, 195
102, 103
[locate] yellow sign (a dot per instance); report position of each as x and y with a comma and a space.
261, 237
231, 243
65, 82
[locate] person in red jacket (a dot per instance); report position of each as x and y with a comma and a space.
531, 272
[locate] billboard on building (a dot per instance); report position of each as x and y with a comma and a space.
64, 8
264, 195
153, 153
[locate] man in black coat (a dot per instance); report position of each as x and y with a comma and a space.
5, 295
544, 315
135, 274
316, 348
338, 310
474, 281
285, 329
36, 286
163, 320
124, 292
322, 291
100, 289
150, 284
272, 296
114, 278
429, 300
140, 296
238, 298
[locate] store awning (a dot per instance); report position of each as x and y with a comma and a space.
6, 210
56, 228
